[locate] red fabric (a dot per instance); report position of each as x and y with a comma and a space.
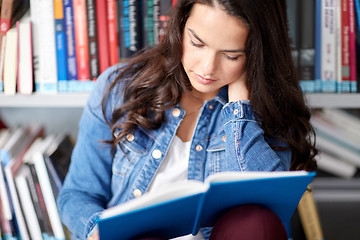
249, 222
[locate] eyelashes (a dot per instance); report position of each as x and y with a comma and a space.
200, 45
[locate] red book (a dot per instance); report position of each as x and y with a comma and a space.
345, 54
81, 40
113, 31
102, 35
352, 47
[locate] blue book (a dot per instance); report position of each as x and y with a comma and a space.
70, 43
183, 208
60, 45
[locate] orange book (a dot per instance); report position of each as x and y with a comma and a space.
113, 31
81, 40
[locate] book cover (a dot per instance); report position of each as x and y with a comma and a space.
102, 34
112, 23
93, 43
150, 17
182, 208
60, 38
130, 27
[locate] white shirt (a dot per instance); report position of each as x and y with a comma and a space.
174, 168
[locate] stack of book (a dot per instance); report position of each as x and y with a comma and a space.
32, 170
63, 45
337, 137
324, 38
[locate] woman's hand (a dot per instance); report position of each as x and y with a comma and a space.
95, 236
237, 90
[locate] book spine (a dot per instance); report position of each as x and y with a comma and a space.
38, 200
70, 45
27, 206
92, 35
5, 25
165, 7
81, 40
46, 46
48, 195
25, 66
10, 64
60, 45
352, 47
307, 47
156, 25
345, 51
328, 45
130, 22
112, 18
148, 22
102, 34
318, 23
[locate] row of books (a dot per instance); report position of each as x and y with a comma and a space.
32, 169
337, 137
325, 43
63, 45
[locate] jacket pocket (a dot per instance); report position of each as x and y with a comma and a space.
131, 151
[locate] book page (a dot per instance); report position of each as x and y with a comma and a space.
168, 193
236, 176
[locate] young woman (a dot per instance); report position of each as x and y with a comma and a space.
219, 93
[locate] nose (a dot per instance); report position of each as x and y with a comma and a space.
209, 64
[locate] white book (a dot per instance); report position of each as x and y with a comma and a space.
326, 145
27, 205
13, 145
44, 29
348, 123
25, 68
5, 198
335, 165
10, 62
327, 128
16, 203
328, 46
49, 199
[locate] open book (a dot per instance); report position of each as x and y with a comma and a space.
182, 208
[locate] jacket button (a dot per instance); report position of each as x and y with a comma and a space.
236, 111
176, 112
130, 137
224, 138
198, 148
211, 107
156, 154
137, 193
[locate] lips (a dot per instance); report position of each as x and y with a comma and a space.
203, 80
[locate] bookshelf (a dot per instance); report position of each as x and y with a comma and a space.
78, 100
36, 100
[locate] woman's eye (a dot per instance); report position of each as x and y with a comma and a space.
198, 45
231, 58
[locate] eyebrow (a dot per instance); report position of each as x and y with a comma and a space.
224, 50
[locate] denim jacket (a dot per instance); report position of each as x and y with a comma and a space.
226, 138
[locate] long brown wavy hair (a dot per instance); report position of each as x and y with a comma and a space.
155, 79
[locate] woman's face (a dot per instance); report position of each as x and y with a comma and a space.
213, 49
